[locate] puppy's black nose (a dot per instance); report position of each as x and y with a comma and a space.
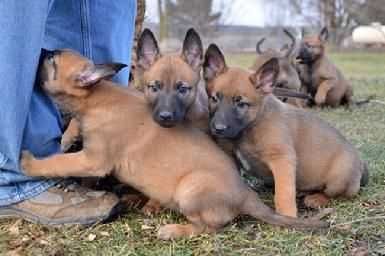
165, 116
219, 128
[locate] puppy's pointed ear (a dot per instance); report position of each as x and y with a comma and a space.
192, 51
95, 73
214, 63
264, 78
148, 50
324, 34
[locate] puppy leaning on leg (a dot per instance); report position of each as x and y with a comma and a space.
275, 140
179, 167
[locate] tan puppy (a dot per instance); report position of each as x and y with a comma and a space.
276, 141
172, 82
179, 167
325, 81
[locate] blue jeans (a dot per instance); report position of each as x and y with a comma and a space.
99, 29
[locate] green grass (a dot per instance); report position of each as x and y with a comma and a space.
364, 126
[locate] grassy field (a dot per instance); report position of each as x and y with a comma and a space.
135, 234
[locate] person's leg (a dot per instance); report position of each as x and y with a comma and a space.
22, 31
105, 33
31, 119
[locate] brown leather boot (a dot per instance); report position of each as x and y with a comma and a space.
65, 203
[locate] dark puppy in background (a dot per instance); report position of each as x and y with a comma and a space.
288, 77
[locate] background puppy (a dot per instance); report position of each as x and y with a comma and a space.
180, 167
288, 77
325, 81
274, 140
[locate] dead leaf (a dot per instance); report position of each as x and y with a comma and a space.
91, 237
146, 227
25, 239
14, 228
104, 233
16, 252
43, 242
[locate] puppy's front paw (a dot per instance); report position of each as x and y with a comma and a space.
66, 142
319, 99
28, 164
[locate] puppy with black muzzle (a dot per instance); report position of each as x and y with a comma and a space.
180, 167
276, 141
172, 82
325, 82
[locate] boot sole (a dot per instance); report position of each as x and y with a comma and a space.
10, 212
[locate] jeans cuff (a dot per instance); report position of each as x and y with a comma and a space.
24, 195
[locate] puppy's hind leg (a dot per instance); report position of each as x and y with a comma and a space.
344, 177
206, 220
205, 206
175, 231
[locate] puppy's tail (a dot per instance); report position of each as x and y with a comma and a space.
365, 175
254, 207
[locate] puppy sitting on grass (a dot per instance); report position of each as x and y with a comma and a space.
275, 141
179, 167
324, 81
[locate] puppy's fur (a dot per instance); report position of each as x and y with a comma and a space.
324, 80
172, 82
179, 167
276, 141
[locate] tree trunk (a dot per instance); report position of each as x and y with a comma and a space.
162, 20
139, 19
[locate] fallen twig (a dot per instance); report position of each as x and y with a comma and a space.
378, 101
358, 220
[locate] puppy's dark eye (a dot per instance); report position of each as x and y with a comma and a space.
154, 86
182, 88
50, 58
310, 46
242, 105
281, 84
213, 99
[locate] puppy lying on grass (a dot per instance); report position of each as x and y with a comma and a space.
179, 167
